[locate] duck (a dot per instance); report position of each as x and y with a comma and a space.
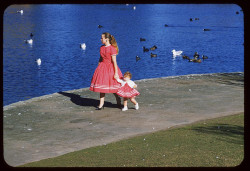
195, 60
145, 49
185, 57
196, 55
83, 46
142, 39
137, 58
134, 7
237, 12
153, 48
30, 41
100, 26
197, 19
31, 35
191, 19
206, 29
21, 11
153, 55
204, 57
166, 25
39, 61
176, 53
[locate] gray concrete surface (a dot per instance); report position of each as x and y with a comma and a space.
64, 122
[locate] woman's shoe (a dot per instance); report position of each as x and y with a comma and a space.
100, 108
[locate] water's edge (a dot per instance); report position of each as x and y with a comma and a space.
7, 107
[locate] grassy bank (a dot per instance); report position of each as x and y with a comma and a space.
217, 142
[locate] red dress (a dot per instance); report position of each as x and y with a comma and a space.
103, 80
127, 92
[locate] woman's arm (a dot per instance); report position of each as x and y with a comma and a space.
115, 66
100, 59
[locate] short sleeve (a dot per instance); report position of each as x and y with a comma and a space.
113, 51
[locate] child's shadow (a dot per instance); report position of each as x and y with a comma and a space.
82, 101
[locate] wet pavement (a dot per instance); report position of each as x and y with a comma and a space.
64, 122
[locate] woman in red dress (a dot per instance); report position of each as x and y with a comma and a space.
104, 78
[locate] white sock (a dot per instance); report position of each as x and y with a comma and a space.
137, 106
125, 108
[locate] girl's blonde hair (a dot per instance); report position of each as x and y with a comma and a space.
111, 40
127, 74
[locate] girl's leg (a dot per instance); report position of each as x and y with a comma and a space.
102, 96
125, 102
132, 99
135, 103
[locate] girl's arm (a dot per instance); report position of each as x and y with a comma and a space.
115, 66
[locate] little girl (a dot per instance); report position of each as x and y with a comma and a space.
127, 90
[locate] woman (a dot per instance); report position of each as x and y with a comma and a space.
104, 78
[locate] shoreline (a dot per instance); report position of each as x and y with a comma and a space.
9, 106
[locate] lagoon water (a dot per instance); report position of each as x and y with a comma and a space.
59, 29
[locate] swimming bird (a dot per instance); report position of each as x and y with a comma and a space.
83, 46
153, 48
204, 57
185, 57
145, 49
31, 35
21, 11
153, 55
142, 39
137, 58
30, 41
191, 19
195, 60
197, 19
100, 26
39, 61
237, 12
134, 8
196, 55
206, 29
166, 25
176, 53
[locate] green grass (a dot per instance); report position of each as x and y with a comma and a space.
217, 142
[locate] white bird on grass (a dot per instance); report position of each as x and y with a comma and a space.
39, 61
83, 46
176, 53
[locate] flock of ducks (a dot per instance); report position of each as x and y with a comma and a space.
196, 58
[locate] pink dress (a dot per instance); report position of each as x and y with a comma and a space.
127, 89
103, 80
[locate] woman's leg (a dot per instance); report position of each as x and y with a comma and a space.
118, 99
102, 96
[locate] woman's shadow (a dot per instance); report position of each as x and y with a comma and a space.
82, 101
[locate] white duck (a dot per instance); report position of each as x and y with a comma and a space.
21, 11
30, 41
39, 61
83, 46
176, 53
134, 8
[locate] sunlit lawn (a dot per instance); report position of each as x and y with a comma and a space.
217, 142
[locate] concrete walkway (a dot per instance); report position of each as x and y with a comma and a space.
63, 122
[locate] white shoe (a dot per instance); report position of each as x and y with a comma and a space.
125, 108
136, 106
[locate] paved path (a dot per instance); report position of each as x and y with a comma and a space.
63, 122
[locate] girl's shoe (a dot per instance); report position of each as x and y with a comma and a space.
136, 106
125, 108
